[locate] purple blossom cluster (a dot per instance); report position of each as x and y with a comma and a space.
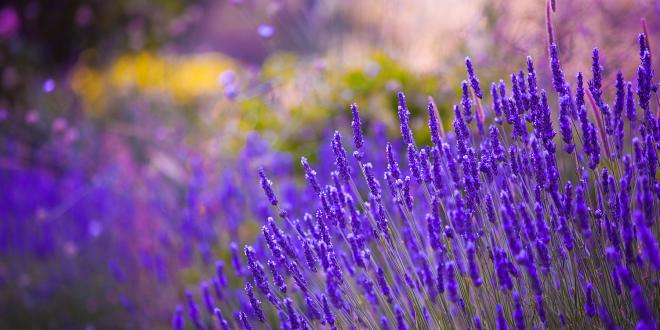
496, 230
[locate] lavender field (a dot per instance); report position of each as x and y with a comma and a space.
253, 164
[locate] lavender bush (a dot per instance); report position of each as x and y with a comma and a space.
502, 223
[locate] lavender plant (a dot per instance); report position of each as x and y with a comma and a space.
493, 228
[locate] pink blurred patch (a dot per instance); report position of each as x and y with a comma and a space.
9, 23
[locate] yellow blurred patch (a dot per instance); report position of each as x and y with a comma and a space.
183, 78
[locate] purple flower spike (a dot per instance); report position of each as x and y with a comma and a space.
404, 114
358, 140
384, 287
645, 81
518, 314
206, 296
434, 126
310, 175
565, 123
423, 158
267, 186
340, 157
329, 316
178, 320
254, 302
649, 242
222, 322
641, 306
193, 311
477, 323
631, 113
277, 278
540, 309
293, 317
392, 164
581, 212
474, 81
452, 285
243, 320
235, 259
413, 163
400, 320
596, 83
501, 320
473, 266
374, 185
312, 311
557, 73
589, 307
579, 93
466, 102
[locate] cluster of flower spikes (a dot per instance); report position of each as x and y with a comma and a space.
481, 229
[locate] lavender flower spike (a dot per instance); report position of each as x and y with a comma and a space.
340, 157
224, 325
557, 73
310, 175
434, 125
358, 140
404, 113
501, 320
466, 102
267, 186
254, 302
177, 320
474, 81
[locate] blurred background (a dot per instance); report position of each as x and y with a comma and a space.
130, 131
